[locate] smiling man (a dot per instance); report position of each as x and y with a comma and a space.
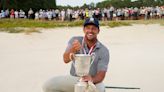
88, 44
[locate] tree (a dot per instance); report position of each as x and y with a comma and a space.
92, 5
27, 4
85, 6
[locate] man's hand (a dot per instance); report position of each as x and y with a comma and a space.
95, 79
76, 46
68, 55
87, 78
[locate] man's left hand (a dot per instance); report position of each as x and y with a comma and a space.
87, 78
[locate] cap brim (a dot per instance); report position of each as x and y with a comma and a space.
91, 24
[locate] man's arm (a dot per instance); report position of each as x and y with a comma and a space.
66, 55
76, 46
101, 68
99, 77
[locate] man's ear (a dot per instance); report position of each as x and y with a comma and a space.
98, 30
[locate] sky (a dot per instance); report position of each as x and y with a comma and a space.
75, 2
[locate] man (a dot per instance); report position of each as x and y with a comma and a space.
30, 13
84, 45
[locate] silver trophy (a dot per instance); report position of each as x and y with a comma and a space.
82, 66
82, 63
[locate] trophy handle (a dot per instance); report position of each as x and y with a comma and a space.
91, 87
72, 55
72, 59
93, 55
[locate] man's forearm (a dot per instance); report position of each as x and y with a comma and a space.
99, 77
66, 56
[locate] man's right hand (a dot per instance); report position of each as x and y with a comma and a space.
76, 46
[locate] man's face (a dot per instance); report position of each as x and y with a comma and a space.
91, 32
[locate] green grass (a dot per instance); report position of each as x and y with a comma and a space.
115, 24
18, 25
152, 21
11, 23
130, 22
28, 26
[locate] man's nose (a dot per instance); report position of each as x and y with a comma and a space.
90, 30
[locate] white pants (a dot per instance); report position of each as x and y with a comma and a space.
66, 84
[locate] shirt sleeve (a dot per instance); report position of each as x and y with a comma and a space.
69, 44
103, 60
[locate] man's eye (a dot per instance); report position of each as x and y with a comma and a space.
87, 28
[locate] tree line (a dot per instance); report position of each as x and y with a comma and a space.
119, 4
51, 4
130, 3
27, 4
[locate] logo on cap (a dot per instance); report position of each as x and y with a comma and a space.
91, 20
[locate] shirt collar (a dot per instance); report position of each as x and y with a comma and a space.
97, 44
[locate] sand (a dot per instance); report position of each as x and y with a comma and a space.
136, 58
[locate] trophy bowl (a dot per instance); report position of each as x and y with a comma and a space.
82, 63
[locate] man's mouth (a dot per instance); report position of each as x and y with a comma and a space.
90, 34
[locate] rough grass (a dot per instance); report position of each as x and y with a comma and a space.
11, 23
28, 26
130, 22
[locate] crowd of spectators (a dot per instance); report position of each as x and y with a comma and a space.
104, 14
